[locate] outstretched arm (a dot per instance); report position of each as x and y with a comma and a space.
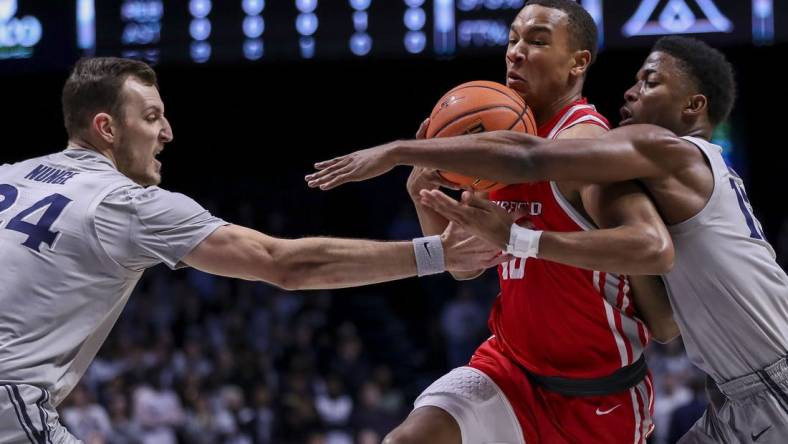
630, 152
636, 242
313, 263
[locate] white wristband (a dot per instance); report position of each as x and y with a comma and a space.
523, 242
429, 255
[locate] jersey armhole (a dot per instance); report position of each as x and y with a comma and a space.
692, 221
91, 233
570, 211
589, 119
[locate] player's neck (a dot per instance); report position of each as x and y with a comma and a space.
77, 142
700, 130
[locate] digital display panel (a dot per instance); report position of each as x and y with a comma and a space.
37, 35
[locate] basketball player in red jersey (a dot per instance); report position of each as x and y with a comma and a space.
564, 364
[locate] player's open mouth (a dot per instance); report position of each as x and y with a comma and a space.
513, 79
626, 116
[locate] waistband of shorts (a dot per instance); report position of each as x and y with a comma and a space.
622, 379
767, 378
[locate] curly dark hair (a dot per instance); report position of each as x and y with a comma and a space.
583, 33
708, 69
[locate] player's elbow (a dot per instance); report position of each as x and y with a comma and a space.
289, 281
281, 277
276, 264
655, 253
289, 275
285, 278
665, 331
301, 265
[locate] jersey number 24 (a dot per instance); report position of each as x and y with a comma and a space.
38, 232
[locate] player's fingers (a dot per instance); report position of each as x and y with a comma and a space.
315, 180
320, 174
325, 178
437, 179
440, 208
341, 163
328, 163
439, 198
337, 181
443, 204
499, 259
422, 132
486, 259
445, 211
475, 201
476, 246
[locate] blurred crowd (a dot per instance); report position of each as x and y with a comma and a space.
200, 359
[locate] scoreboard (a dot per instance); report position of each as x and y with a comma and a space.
52, 34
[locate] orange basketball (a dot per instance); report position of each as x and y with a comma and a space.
475, 107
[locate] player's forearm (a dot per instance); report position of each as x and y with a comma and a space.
497, 155
625, 250
513, 157
431, 222
311, 263
653, 307
325, 263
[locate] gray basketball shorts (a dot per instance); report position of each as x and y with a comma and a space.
27, 417
749, 409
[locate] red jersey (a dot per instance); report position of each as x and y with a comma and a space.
555, 319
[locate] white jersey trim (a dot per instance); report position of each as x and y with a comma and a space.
636, 411
611, 320
701, 145
630, 326
557, 128
584, 119
570, 211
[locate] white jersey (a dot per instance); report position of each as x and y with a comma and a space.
729, 296
75, 237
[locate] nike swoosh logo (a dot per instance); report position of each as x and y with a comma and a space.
605, 412
755, 437
427, 248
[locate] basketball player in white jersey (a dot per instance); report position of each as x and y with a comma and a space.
79, 227
729, 296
